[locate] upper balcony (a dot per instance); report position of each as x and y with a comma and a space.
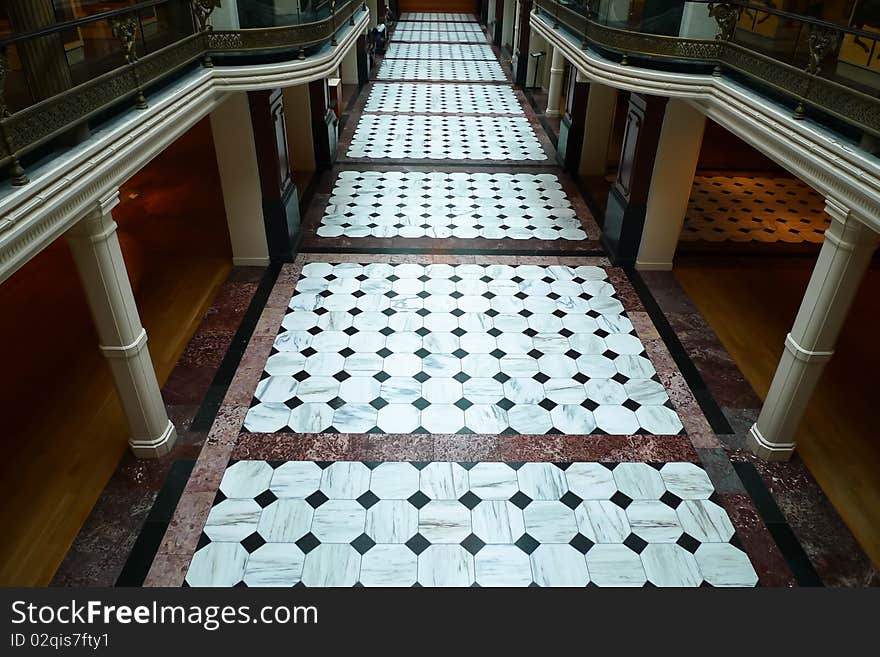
825, 65
64, 63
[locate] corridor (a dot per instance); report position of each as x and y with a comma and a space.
425, 401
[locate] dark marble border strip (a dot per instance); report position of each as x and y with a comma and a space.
204, 417
711, 409
779, 529
136, 567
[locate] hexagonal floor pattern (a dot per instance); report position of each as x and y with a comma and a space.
432, 137
445, 349
441, 69
439, 524
458, 51
418, 16
437, 35
438, 98
450, 204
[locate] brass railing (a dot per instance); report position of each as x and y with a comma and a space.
26, 129
806, 73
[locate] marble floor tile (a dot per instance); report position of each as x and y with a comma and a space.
442, 69
435, 98
460, 524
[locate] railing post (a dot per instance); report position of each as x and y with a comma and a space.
556, 15
125, 29
17, 175
351, 11
202, 10
821, 42
333, 41
726, 15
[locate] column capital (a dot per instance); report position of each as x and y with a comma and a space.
98, 223
847, 231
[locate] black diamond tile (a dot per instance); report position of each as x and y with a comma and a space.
422, 331
470, 500
570, 500
534, 353
418, 499
418, 544
670, 499
204, 540
506, 404
459, 353
458, 331
351, 330
384, 352
559, 313
421, 377
540, 377
501, 377
620, 378
635, 543
621, 500
473, 544
253, 542
316, 499
461, 377
494, 332
301, 376
571, 353
362, 544
632, 405
547, 404
530, 332
464, 404
381, 376
581, 543
336, 402
308, 543
265, 498
566, 333
368, 499
423, 353
386, 331
688, 542
341, 376
580, 377
497, 353
378, 403
492, 313
315, 330
520, 500
293, 403
219, 497
601, 333
421, 403
527, 544
308, 351
589, 404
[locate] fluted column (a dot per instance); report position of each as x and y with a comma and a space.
843, 260
43, 58
557, 68
98, 257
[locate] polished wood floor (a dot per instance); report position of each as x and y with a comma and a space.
751, 304
65, 427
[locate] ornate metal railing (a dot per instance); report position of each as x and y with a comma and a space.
40, 120
805, 66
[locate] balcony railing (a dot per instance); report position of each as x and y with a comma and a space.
61, 75
813, 63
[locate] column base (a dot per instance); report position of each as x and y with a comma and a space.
153, 449
653, 266
553, 114
768, 451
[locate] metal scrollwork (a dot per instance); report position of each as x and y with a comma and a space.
727, 16
821, 43
16, 172
202, 10
125, 29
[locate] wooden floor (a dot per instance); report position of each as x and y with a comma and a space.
751, 304
65, 428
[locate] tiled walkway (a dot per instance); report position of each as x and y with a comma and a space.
421, 415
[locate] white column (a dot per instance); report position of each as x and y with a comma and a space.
297, 108
557, 68
601, 104
240, 180
95, 247
678, 152
843, 260
349, 67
